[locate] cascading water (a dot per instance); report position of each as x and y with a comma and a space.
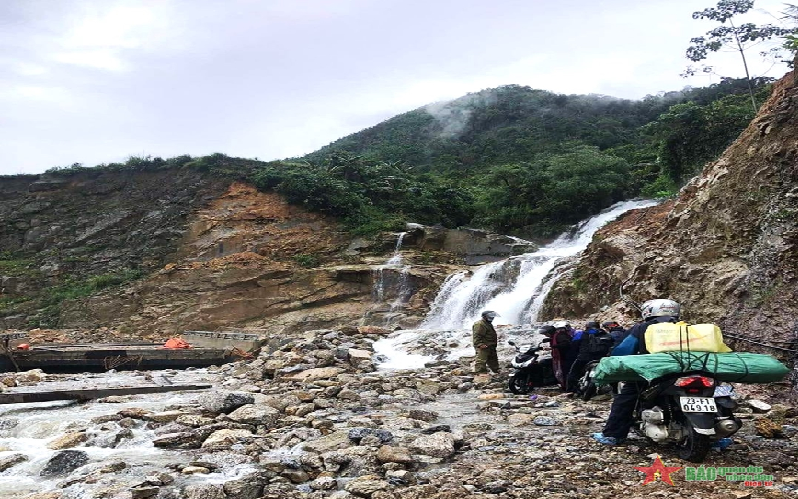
383, 279
515, 288
515, 301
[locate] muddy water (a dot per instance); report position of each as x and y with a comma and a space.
29, 428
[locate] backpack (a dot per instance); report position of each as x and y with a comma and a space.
599, 343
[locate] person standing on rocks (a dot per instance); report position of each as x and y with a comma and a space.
621, 417
559, 335
485, 343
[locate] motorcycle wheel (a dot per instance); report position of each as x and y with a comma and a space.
519, 386
695, 447
589, 391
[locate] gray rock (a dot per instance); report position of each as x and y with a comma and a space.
225, 402
244, 488
65, 462
392, 454
204, 491
144, 491
544, 421
436, 445
366, 486
357, 434
256, 415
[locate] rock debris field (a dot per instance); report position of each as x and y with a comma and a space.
315, 419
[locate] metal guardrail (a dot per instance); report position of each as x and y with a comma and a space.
13, 336
224, 336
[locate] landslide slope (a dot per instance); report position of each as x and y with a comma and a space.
153, 253
726, 248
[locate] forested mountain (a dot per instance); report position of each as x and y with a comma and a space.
511, 159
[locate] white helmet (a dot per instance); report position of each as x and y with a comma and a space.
561, 325
660, 308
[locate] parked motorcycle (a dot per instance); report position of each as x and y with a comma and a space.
586, 388
530, 370
692, 410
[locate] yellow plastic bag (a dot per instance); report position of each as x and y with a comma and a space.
669, 337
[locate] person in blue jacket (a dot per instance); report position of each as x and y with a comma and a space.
591, 344
623, 405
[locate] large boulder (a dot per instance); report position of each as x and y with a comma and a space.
255, 415
65, 462
225, 402
223, 439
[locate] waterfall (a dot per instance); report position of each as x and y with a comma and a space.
383, 279
517, 301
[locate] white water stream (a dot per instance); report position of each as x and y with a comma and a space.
28, 429
515, 288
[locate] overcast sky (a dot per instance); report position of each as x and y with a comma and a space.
99, 80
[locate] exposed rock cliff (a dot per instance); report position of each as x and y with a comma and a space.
155, 253
726, 248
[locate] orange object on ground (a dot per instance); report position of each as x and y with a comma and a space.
176, 343
23, 346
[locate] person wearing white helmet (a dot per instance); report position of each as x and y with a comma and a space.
621, 413
485, 343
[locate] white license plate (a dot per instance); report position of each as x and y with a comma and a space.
698, 404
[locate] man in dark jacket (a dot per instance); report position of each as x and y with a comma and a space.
623, 405
485, 342
593, 344
560, 334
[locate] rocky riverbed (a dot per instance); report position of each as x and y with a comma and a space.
314, 418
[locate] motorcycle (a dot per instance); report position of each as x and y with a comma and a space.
530, 371
586, 388
691, 409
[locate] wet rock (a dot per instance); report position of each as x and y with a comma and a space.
68, 440
297, 476
11, 461
223, 439
392, 454
64, 462
204, 491
256, 415
367, 485
144, 492
225, 402
181, 440
436, 445
249, 487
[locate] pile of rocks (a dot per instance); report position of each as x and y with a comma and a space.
314, 419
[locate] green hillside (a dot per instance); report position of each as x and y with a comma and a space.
531, 161
511, 159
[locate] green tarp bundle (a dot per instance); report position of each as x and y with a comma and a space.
733, 367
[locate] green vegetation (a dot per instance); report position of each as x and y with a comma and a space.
307, 261
512, 159
71, 289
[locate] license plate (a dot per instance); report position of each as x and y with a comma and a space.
698, 404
